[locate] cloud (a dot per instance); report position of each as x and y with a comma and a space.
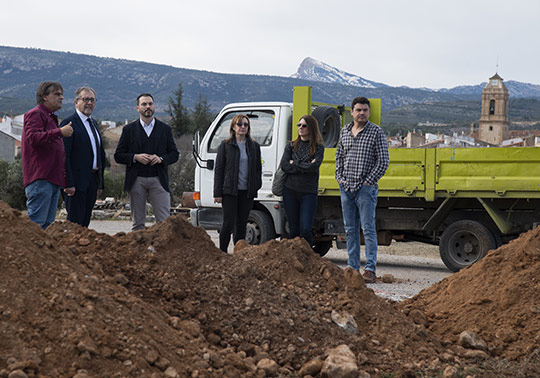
415, 43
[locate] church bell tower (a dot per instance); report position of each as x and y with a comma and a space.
493, 125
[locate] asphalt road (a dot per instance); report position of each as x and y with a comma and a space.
413, 266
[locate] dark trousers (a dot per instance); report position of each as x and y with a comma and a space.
79, 206
300, 209
235, 216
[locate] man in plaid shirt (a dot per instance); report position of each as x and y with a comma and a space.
361, 160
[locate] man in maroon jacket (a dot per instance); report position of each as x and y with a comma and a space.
43, 156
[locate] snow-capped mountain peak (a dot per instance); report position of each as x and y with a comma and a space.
312, 69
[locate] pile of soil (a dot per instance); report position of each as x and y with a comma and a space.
165, 302
498, 298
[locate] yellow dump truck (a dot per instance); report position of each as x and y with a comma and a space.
466, 200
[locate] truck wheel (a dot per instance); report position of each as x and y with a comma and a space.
329, 124
260, 227
321, 247
465, 242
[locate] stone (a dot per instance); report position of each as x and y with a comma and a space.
82, 374
340, 363
326, 274
17, 374
345, 321
175, 322
83, 242
240, 245
450, 372
162, 364
190, 327
119, 278
270, 367
87, 345
470, 340
171, 372
353, 279
216, 360
361, 358
298, 265
388, 278
475, 354
418, 317
312, 368
447, 357
151, 356
214, 339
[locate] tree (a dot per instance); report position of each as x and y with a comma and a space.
201, 117
180, 121
11, 185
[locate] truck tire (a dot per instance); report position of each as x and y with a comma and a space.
321, 247
329, 124
465, 242
260, 227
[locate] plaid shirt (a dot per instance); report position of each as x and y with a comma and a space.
361, 159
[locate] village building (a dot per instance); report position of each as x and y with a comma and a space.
493, 124
10, 137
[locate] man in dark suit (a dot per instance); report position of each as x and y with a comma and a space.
85, 158
147, 148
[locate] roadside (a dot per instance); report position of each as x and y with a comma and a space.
413, 266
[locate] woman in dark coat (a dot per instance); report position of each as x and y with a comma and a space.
237, 178
301, 162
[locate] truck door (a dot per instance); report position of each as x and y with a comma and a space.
264, 130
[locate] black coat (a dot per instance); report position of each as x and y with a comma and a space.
303, 172
227, 166
79, 155
131, 142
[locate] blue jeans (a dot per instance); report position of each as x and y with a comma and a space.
358, 209
300, 209
42, 202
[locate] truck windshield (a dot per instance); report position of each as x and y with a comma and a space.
261, 125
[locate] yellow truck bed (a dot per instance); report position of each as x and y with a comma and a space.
511, 172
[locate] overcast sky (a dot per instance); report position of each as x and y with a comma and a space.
417, 43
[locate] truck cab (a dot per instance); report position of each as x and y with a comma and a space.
270, 127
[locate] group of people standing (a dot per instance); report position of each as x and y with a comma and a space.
361, 160
69, 158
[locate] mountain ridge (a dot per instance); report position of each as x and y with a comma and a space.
119, 81
312, 69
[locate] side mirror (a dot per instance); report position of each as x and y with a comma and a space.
196, 142
209, 164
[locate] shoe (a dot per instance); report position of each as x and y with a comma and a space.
369, 277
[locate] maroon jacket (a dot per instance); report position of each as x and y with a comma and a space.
42, 148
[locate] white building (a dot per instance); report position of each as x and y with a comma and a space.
10, 137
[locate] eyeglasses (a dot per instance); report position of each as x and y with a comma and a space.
302, 125
88, 99
245, 124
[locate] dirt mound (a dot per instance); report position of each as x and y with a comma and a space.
60, 314
498, 298
166, 302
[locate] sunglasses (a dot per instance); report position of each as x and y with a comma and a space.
245, 124
302, 125
90, 100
